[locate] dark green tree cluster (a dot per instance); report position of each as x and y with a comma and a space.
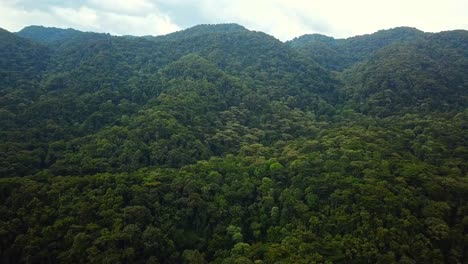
217, 144
339, 54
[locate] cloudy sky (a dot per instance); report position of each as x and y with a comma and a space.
283, 19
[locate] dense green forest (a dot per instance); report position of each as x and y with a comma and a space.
217, 144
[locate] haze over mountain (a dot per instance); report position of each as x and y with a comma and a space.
224, 145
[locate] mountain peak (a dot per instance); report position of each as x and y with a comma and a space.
204, 29
2, 30
44, 28
223, 27
310, 38
397, 32
48, 34
402, 29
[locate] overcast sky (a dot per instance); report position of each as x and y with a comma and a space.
284, 19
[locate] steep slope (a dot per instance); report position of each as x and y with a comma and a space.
419, 76
200, 30
172, 130
263, 61
22, 65
20, 60
260, 58
48, 35
338, 54
106, 77
101, 62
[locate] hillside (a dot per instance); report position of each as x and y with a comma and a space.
339, 54
217, 144
22, 60
47, 35
420, 76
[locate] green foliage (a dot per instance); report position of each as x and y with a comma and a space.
339, 54
217, 144
414, 77
48, 35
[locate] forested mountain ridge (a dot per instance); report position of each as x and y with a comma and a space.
223, 145
100, 71
48, 35
200, 30
22, 60
338, 54
419, 76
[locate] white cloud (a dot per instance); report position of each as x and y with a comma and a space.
275, 17
347, 18
13, 18
118, 19
115, 23
82, 17
150, 24
135, 7
340, 18
284, 19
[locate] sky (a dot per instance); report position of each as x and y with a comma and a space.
284, 19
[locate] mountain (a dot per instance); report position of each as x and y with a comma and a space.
97, 71
47, 35
201, 30
400, 70
22, 60
218, 144
422, 75
338, 54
